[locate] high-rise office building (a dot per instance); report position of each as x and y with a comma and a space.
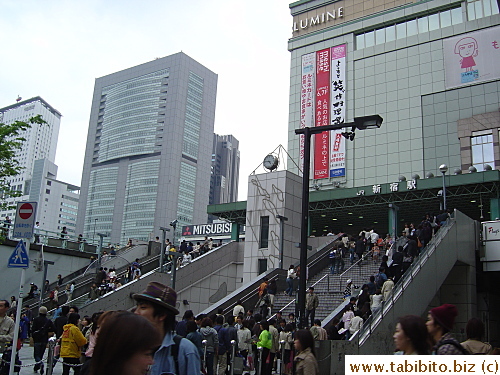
40, 143
147, 160
225, 169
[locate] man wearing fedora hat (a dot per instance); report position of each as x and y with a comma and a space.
176, 355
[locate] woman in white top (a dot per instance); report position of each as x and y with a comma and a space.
376, 301
244, 340
291, 275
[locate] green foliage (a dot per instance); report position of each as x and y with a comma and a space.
11, 141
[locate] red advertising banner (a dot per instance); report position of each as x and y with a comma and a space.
322, 115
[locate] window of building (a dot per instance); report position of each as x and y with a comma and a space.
417, 25
264, 232
482, 151
481, 8
47, 191
49, 183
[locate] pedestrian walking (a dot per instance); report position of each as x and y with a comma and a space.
158, 304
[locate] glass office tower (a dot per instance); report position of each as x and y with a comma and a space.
148, 154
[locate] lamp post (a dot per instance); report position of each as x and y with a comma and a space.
444, 168
162, 249
93, 237
360, 123
173, 224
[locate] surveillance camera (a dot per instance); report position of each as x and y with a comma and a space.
173, 223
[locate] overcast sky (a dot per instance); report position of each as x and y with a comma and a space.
55, 49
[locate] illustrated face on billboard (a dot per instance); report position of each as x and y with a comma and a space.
467, 49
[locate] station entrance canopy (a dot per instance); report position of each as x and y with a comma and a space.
350, 210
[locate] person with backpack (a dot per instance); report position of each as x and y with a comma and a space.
176, 354
440, 321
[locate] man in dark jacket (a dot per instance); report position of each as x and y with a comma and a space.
359, 248
40, 333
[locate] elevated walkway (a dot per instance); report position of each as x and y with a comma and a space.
204, 281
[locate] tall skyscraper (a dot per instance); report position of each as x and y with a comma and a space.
40, 143
147, 160
225, 169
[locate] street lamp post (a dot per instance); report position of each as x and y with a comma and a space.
93, 237
360, 123
444, 168
162, 250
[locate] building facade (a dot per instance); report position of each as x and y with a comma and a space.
57, 200
429, 68
40, 143
225, 169
147, 159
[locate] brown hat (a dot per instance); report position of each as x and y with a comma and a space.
445, 315
160, 294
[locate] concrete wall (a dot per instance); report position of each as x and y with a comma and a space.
272, 194
65, 262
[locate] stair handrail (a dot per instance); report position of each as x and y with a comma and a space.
321, 279
374, 320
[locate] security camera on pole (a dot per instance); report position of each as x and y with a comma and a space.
24, 226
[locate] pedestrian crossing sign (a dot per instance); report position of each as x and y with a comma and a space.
19, 257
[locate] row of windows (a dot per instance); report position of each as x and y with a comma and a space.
481, 8
408, 28
68, 211
69, 205
67, 217
119, 126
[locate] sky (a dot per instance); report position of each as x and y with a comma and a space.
55, 49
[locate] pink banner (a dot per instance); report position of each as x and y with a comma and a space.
322, 141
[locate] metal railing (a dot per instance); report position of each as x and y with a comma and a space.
407, 277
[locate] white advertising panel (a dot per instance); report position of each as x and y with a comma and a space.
472, 57
307, 97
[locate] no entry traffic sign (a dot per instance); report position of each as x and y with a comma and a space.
26, 210
25, 220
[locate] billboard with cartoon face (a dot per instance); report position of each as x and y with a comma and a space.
472, 57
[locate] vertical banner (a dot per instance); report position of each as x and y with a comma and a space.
338, 111
322, 140
306, 97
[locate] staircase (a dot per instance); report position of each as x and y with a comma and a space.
330, 288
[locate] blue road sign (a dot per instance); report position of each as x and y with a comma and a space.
19, 257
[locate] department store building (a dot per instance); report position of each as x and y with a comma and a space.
431, 70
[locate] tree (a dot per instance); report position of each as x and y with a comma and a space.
11, 141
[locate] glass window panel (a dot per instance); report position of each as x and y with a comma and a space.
370, 39
488, 156
360, 41
390, 33
411, 27
380, 36
423, 25
473, 140
456, 16
477, 154
401, 30
433, 22
445, 18
494, 7
487, 8
479, 9
471, 13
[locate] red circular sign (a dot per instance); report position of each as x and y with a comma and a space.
25, 211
